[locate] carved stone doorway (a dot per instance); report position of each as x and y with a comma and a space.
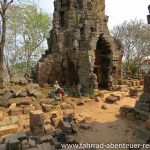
103, 63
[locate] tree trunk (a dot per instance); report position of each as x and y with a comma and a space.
2, 45
1, 67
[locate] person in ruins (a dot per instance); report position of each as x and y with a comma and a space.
58, 90
93, 80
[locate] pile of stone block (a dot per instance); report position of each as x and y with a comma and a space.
142, 107
44, 134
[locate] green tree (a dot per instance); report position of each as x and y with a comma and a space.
135, 36
4, 6
27, 30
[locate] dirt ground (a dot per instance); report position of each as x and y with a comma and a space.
107, 125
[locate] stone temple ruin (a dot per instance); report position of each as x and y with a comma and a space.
80, 46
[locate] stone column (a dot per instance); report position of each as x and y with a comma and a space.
147, 83
37, 122
143, 104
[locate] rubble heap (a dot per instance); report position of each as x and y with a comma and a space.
142, 106
81, 49
141, 134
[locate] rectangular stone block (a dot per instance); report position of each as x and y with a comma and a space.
8, 130
15, 111
66, 127
37, 122
57, 122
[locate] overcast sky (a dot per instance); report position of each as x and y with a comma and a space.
117, 10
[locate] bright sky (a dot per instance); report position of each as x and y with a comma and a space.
117, 10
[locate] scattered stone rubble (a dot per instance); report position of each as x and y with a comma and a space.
62, 129
141, 111
142, 107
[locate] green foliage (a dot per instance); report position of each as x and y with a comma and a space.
26, 35
134, 36
130, 68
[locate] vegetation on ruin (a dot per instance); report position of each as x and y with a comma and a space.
27, 28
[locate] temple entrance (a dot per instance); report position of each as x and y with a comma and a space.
69, 73
103, 63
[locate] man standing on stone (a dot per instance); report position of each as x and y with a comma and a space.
58, 90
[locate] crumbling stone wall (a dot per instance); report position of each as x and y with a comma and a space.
79, 44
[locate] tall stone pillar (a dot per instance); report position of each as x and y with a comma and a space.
147, 84
142, 106
37, 122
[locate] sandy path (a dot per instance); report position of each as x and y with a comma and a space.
107, 125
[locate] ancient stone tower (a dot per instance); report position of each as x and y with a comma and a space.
80, 44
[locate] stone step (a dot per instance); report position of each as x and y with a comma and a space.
10, 129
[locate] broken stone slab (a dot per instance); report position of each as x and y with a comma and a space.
10, 121
131, 116
133, 91
37, 94
46, 107
69, 112
10, 129
22, 136
6, 96
21, 101
66, 106
19, 80
46, 101
48, 128
127, 112
32, 143
85, 116
71, 139
4, 100
57, 122
23, 93
111, 99
33, 90
45, 139
98, 99
15, 92
127, 109
66, 127
85, 126
68, 118
54, 114
37, 122
27, 109
15, 111
14, 120
25, 144
80, 102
